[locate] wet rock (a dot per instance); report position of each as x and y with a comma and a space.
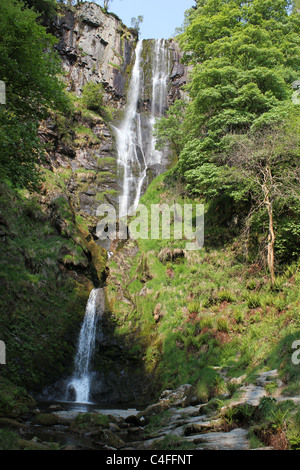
177, 397
109, 438
135, 420
154, 409
47, 419
233, 440
90, 42
197, 428
56, 408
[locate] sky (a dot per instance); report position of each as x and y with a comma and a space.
161, 17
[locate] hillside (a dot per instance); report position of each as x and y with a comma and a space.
193, 348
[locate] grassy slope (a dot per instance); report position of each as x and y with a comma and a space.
209, 309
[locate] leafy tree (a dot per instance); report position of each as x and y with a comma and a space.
136, 23
46, 7
106, 4
29, 67
168, 130
244, 57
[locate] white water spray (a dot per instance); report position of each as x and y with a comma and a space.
81, 380
134, 136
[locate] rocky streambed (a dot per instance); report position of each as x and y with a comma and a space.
176, 421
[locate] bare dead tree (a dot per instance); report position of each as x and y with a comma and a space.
269, 160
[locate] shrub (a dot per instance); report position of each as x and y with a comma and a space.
225, 295
253, 301
222, 324
93, 97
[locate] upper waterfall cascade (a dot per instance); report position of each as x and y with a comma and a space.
134, 136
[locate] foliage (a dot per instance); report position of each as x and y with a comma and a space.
92, 96
46, 7
29, 67
168, 130
244, 58
136, 23
217, 310
8, 440
48, 303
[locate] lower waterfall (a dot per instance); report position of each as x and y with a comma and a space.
80, 383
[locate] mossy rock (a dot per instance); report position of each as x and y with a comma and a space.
89, 422
14, 400
112, 440
47, 419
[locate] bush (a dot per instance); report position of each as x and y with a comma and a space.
93, 97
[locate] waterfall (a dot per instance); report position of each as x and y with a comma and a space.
134, 136
79, 386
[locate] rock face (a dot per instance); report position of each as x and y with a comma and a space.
95, 47
81, 168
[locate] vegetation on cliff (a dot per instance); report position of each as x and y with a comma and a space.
237, 138
49, 260
232, 305
235, 303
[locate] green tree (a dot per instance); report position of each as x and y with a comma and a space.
169, 131
46, 7
244, 57
29, 67
136, 23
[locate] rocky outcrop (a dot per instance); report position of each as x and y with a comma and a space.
96, 47
179, 75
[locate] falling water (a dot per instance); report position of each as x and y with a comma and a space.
134, 137
80, 383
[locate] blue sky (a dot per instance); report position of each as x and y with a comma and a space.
161, 17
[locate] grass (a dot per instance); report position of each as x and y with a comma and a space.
217, 311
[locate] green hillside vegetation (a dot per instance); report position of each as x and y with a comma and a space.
235, 303
232, 305
204, 309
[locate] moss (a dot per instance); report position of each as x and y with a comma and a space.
43, 296
47, 419
88, 421
14, 400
